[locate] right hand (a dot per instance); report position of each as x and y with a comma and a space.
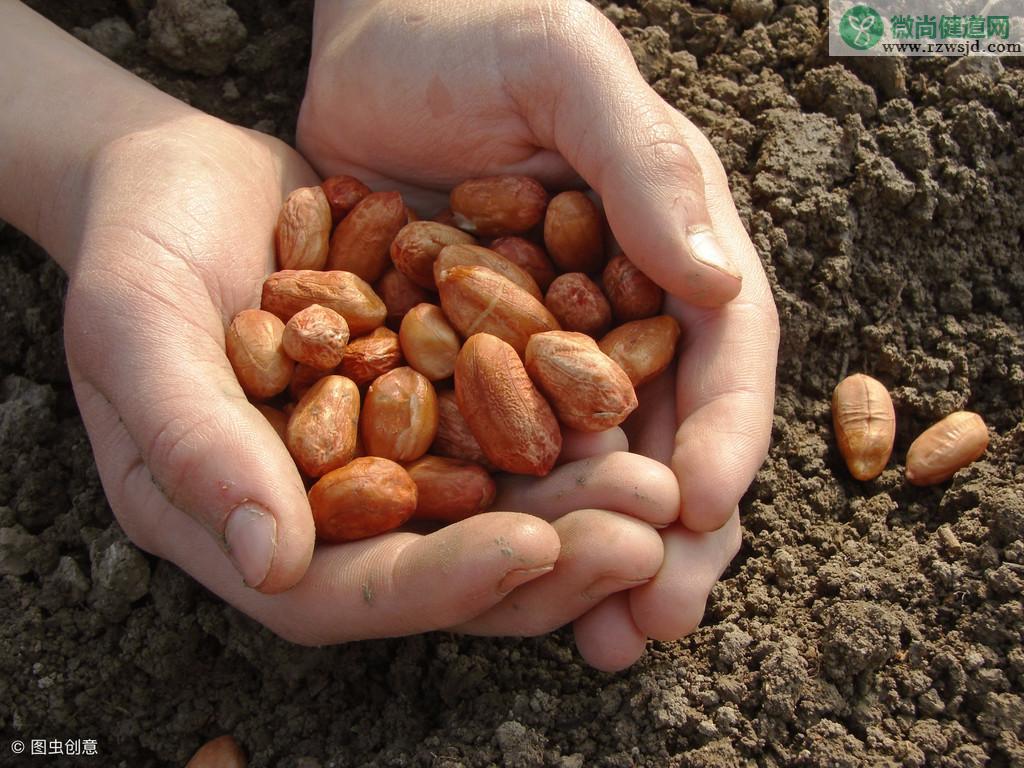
426, 94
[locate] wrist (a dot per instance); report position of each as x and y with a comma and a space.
63, 104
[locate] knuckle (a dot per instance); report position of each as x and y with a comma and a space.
578, 25
691, 617
664, 157
178, 449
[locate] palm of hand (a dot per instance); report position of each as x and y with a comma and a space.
175, 241
157, 279
543, 90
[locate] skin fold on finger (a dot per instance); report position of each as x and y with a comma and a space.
607, 637
672, 604
622, 482
601, 553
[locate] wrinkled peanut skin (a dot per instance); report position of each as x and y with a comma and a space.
454, 438
945, 447
478, 300
510, 419
291, 290
578, 304
343, 193
864, 422
574, 233
399, 418
253, 346
321, 433
400, 294
368, 496
371, 356
587, 389
498, 205
631, 293
416, 248
303, 230
642, 348
528, 256
362, 241
429, 343
478, 256
450, 489
316, 336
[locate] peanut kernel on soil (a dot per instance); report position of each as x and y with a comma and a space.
865, 424
945, 447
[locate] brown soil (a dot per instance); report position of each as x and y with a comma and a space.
862, 624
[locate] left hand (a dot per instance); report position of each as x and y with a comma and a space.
417, 96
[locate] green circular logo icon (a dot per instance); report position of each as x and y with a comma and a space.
861, 27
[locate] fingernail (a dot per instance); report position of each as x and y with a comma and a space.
706, 249
520, 576
609, 585
251, 536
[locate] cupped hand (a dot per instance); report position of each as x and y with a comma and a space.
174, 240
419, 95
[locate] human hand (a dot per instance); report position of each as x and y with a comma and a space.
406, 93
196, 475
163, 218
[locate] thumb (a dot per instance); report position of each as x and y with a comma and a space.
157, 392
630, 146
